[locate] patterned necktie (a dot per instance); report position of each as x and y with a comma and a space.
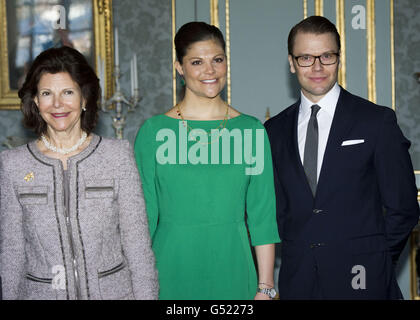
310, 156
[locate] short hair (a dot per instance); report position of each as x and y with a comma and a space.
55, 60
195, 31
313, 24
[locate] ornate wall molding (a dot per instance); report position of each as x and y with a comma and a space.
214, 13
371, 50
174, 101
391, 18
229, 81
319, 7
341, 27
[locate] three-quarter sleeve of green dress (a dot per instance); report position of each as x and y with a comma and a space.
261, 198
146, 162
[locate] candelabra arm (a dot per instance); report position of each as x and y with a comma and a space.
124, 99
118, 98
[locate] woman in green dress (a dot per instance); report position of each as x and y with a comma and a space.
208, 183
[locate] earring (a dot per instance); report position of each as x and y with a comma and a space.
83, 108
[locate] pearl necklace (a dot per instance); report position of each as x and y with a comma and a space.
49, 146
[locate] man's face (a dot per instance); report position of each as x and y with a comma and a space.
317, 79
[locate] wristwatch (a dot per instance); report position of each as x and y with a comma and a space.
271, 292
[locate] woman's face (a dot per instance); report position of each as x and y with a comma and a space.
59, 100
204, 68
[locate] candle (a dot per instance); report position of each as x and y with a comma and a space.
100, 75
117, 58
102, 82
98, 66
132, 76
136, 84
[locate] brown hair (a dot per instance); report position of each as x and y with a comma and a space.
195, 31
55, 60
313, 24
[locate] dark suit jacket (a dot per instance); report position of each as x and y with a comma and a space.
344, 244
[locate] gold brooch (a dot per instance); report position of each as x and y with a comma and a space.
29, 177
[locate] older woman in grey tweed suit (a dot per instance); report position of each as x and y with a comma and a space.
72, 214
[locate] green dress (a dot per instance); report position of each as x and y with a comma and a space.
202, 197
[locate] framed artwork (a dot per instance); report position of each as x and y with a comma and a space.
29, 27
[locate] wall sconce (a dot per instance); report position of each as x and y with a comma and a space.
417, 76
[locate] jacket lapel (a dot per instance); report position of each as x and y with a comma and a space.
343, 121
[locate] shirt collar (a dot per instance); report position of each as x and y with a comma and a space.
327, 103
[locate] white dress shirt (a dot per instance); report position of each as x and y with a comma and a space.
324, 117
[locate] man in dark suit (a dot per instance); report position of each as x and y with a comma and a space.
345, 186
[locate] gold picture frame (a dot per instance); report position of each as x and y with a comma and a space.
102, 47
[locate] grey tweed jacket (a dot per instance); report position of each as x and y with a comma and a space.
99, 248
